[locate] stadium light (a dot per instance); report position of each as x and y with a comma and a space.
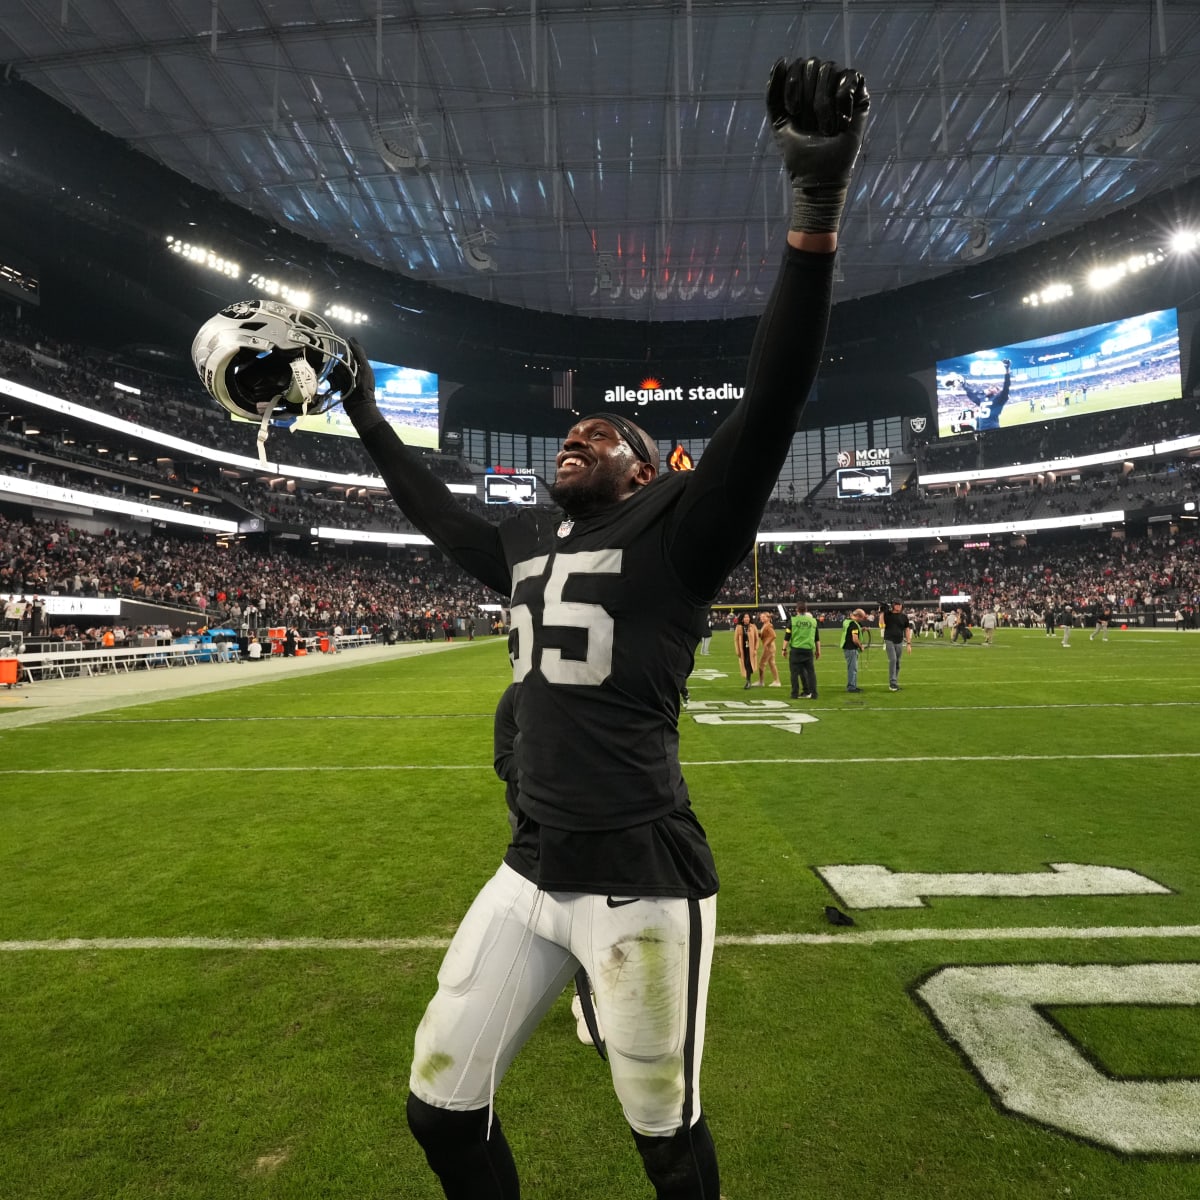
277, 289
281, 291
204, 257
347, 316
1050, 294
1104, 277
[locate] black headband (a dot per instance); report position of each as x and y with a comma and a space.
630, 435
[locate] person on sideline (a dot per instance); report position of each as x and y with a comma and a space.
897, 640
609, 868
851, 646
766, 650
745, 646
987, 623
802, 645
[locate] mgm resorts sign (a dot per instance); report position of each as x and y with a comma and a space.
651, 391
864, 458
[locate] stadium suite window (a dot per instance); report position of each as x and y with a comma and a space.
543, 452
503, 450
804, 468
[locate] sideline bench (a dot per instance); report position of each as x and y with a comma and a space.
75, 664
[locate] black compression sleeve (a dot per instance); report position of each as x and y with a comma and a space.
470, 541
719, 515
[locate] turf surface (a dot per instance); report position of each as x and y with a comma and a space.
360, 805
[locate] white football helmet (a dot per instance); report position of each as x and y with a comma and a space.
261, 359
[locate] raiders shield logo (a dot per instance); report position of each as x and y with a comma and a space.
241, 310
917, 424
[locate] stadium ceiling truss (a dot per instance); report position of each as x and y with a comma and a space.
611, 157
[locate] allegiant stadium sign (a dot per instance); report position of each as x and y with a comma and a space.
651, 391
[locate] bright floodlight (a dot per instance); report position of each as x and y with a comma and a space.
297, 297
203, 257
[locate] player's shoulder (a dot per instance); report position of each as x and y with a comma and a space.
668, 486
651, 503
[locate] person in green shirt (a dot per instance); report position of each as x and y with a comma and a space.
802, 644
851, 645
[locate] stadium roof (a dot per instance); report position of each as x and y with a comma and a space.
612, 158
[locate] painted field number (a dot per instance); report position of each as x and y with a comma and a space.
774, 713
993, 1014
872, 886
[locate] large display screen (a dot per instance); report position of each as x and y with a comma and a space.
408, 398
860, 483
1119, 364
510, 489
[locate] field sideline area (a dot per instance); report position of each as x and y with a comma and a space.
222, 912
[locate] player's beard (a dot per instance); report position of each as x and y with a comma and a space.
589, 491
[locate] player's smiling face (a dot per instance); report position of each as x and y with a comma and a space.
595, 468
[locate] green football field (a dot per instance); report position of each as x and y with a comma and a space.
221, 918
1127, 395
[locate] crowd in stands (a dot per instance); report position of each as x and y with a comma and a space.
234, 583
171, 405
249, 584
1117, 429
1098, 490
1019, 581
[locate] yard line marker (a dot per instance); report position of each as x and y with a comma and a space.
1018, 707
859, 937
909, 708
281, 717
240, 770
942, 676
714, 762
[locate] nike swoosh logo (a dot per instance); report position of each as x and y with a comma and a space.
621, 903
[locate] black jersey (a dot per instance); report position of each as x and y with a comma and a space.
606, 614
894, 625
988, 406
602, 638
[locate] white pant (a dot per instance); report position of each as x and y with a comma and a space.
517, 947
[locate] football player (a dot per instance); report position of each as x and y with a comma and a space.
608, 868
989, 402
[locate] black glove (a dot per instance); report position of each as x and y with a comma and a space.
818, 112
359, 400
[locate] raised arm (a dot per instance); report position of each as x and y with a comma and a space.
468, 540
818, 113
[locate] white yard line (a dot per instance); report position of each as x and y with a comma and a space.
908, 708
290, 717
855, 938
715, 762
